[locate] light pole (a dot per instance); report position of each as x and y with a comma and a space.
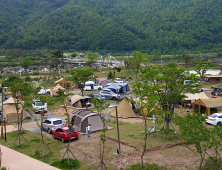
2, 119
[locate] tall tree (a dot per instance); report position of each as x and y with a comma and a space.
100, 105
187, 59
26, 62
54, 61
167, 83
146, 102
137, 60
201, 68
80, 75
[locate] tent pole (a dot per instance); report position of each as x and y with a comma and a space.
117, 123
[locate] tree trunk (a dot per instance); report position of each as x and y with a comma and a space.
167, 125
50, 72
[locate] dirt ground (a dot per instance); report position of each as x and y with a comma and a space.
61, 112
178, 157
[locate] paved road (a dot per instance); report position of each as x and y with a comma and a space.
14, 160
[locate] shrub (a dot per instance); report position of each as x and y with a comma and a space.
28, 78
147, 166
212, 163
35, 73
63, 164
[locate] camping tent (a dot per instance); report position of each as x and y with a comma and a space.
79, 101
196, 96
102, 81
9, 109
207, 106
124, 110
55, 89
82, 118
63, 83
122, 87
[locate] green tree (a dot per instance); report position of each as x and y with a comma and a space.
167, 83
80, 75
26, 62
207, 141
100, 105
137, 60
187, 59
201, 68
146, 101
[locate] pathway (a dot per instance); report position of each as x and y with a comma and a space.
14, 160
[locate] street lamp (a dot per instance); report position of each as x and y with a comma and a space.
2, 119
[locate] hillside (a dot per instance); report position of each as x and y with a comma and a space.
116, 25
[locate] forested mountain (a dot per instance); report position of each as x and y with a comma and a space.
116, 25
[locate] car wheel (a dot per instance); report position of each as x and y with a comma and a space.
49, 131
219, 123
99, 89
53, 136
47, 92
114, 98
63, 140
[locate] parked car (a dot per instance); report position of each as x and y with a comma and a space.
215, 119
118, 80
39, 106
44, 91
51, 124
190, 82
22, 70
64, 134
108, 94
98, 96
90, 85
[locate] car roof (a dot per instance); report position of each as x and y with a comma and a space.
216, 114
53, 119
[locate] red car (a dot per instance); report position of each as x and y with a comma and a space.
64, 135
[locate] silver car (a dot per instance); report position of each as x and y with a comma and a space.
108, 94
52, 124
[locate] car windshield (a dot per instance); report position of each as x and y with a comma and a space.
67, 131
119, 79
57, 122
213, 116
39, 104
97, 95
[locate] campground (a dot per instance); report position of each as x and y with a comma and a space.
86, 150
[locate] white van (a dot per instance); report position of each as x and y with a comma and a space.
90, 85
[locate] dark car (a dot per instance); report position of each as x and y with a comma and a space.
98, 96
64, 135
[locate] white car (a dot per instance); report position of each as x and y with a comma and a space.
118, 80
215, 119
38, 106
44, 91
52, 124
90, 85
108, 94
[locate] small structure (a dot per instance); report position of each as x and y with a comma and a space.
124, 110
55, 89
80, 101
82, 118
214, 78
9, 110
63, 83
207, 106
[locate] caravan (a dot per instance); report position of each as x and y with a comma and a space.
90, 85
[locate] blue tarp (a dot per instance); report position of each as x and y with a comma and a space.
122, 87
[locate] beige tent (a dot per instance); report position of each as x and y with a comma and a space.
196, 96
9, 110
75, 100
124, 110
55, 89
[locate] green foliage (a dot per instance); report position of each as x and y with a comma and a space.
147, 166
168, 25
110, 75
28, 78
212, 164
35, 73
73, 164
201, 68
